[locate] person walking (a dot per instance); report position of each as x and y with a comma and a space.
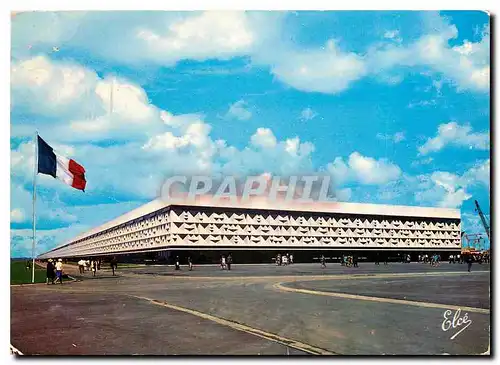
222, 262
355, 260
59, 271
229, 261
50, 272
114, 264
468, 260
94, 267
81, 266
190, 263
291, 259
323, 261
177, 263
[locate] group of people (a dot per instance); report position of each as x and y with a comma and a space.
286, 259
94, 265
226, 262
349, 261
455, 258
89, 265
432, 260
54, 272
178, 263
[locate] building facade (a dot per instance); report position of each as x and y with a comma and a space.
265, 226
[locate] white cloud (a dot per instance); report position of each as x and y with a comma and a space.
326, 70
343, 195
423, 161
199, 37
365, 170
390, 34
52, 89
17, 215
455, 134
396, 137
479, 174
451, 190
166, 38
81, 105
393, 35
308, 114
134, 37
158, 143
264, 138
422, 103
239, 110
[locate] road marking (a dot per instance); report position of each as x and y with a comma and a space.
244, 328
281, 287
308, 277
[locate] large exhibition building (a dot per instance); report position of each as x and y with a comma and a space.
256, 230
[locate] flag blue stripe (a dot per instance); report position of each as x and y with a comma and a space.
46, 158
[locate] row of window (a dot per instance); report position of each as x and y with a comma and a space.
163, 240
344, 222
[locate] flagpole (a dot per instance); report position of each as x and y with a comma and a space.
35, 170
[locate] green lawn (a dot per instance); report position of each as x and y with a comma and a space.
20, 275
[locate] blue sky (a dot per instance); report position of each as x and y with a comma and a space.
393, 105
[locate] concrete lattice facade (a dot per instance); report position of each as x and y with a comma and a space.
337, 226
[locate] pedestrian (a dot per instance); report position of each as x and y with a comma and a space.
408, 258
468, 259
285, 260
50, 272
177, 263
190, 263
355, 260
323, 262
114, 264
229, 261
291, 259
81, 266
94, 267
59, 271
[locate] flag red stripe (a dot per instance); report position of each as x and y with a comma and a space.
79, 182
75, 168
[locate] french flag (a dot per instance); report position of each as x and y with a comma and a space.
60, 167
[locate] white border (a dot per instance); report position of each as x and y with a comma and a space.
9, 5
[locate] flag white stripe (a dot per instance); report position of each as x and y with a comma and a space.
62, 170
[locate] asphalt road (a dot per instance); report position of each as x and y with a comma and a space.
257, 309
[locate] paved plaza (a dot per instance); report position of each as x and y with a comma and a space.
299, 309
